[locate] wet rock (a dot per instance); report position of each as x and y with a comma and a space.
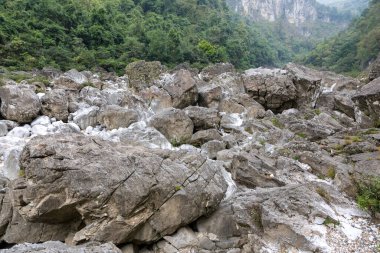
19, 103
141, 74
203, 118
71, 80
55, 104
73, 179
183, 89
114, 117
174, 124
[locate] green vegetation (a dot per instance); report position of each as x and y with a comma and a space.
351, 50
277, 123
302, 135
331, 221
86, 34
369, 195
21, 172
331, 172
178, 188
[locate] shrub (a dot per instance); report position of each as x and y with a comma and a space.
368, 196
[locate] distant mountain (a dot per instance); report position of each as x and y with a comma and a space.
354, 6
353, 49
307, 15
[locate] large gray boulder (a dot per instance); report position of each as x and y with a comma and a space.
19, 103
174, 124
71, 80
374, 69
202, 117
275, 92
368, 100
55, 104
182, 88
59, 247
80, 189
114, 117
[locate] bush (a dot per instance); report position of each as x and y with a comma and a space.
368, 196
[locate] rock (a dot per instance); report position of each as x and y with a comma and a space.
3, 129
141, 74
276, 93
252, 171
157, 98
20, 132
42, 120
10, 124
307, 83
174, 124
215, 70
201, 137
231, 106
344, 104
114, 117
374, 69
210, 96
183, 89
203, 118
86, 117
55, 104
183, 238
211, 148
71, 80
19, 103
55, 247
39, 130
367, 99
119, 193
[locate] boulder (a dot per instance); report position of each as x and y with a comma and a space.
157, 98
276, 93
202, 117
19, 103
141, 74
215, 70
210, 96
374, 69
81, 189
55, 104
211, 148
182, 88
3, 129
253, 170
86, 117
55, 247
174, 124
114, 117
71, 80
368, 100
203, 136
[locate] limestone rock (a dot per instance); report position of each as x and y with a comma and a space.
55, 104
114, 117
141, 74
203, 118
174, 124
19, 103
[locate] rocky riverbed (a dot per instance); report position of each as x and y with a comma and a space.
158, 160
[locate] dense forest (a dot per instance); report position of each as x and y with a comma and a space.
85, 34
352, 50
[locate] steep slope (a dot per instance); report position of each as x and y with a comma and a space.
354, 6
111, 33
352, 50
300, 13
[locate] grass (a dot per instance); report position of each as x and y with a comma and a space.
331, 172
21, 172
178, 188
302, 135
277, 123
331, 221
371, 131
297, 158
177, 142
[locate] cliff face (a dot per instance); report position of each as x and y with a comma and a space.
293, 11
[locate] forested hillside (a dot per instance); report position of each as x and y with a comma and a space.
84, 34
351, 50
